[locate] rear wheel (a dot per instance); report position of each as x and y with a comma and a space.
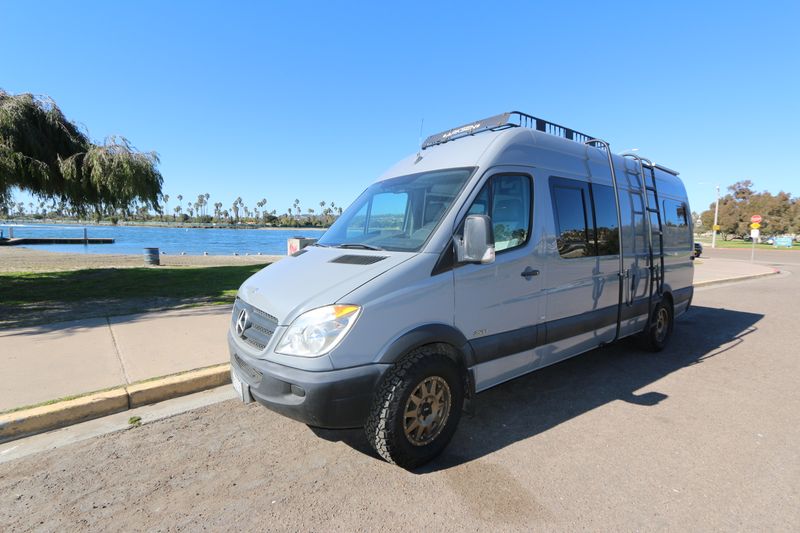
416, 408
660, 328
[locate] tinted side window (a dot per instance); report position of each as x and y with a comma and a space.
605, 209
572, 212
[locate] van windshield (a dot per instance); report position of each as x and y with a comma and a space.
397, 214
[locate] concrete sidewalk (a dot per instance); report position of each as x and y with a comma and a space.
45, 363
709, 271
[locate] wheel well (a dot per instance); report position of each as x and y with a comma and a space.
459, 358
667, 297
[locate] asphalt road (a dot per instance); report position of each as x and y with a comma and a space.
701, 436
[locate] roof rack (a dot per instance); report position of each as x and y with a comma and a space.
518, 119
511, 119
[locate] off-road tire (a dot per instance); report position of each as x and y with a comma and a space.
385, 425
657, 334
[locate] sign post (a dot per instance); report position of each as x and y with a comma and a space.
716, 226
754, 234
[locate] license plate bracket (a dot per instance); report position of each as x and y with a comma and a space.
242, 389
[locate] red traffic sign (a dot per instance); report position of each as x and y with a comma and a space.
755, 219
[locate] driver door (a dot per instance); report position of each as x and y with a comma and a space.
498, 305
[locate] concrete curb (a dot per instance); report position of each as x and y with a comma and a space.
28, 422
739, 278
180, 385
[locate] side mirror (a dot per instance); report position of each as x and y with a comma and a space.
477, 244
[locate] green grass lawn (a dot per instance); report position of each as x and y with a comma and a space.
743, 244
37, 297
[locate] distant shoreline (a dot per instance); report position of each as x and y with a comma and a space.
181, 225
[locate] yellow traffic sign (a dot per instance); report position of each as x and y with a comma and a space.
716, 227
755, 225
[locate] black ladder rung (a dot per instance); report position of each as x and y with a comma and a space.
649, 188
653, 209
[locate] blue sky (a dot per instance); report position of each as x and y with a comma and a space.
285, 100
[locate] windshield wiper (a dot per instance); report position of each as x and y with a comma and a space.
360, 246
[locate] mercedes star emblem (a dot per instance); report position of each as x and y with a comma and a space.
241, 323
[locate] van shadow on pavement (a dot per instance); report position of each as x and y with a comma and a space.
536, 402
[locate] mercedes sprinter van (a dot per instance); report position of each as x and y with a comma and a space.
501, 247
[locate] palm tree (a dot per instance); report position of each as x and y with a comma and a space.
166, 205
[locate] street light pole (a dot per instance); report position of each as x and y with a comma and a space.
716, 216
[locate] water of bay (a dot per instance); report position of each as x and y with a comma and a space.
133, 239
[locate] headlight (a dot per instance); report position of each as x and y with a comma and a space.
318, 331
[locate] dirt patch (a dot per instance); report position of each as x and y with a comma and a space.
18, 259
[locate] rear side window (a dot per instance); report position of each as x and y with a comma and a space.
507, 200
586, 218
606, 228
676, 225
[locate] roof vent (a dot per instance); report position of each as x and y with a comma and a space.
358, 259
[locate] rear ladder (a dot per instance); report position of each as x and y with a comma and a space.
656, 285
621, 270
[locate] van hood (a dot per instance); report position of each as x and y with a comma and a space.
317, 277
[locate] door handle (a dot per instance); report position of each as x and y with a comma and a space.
528, 272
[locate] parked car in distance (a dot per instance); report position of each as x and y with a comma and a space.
698, 249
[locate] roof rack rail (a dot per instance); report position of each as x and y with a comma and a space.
667, 170
511, 119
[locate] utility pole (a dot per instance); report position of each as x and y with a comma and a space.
716, 216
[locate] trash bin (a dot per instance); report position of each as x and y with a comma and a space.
151, 257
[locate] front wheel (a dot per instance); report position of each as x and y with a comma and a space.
416, 408
657, 334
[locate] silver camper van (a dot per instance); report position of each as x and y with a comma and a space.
501, 247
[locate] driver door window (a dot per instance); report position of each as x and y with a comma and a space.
507, 200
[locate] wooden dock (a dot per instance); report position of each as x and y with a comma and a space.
53, 240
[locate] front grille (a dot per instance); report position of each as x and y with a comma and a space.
260, 325
264, 314
252, 373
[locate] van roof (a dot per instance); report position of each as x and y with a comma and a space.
495, 140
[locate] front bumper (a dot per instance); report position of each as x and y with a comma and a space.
334, 399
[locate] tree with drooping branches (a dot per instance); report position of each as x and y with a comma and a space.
50, 157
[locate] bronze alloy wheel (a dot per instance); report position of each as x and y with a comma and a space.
427, 410
417, 407
662, 323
